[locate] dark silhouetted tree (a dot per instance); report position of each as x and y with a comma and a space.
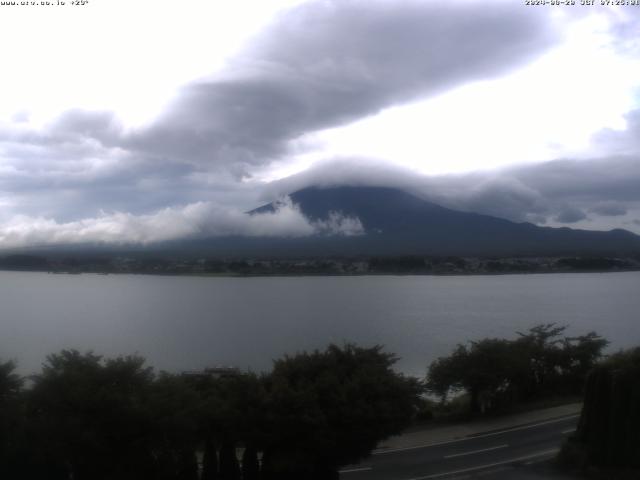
541, 346
250, 464
187, 465
174, 406
88, 416
497, 372
229, 465
92, 418
580, 355
209, 461
609, 427
331, 408
484, 370
12, 439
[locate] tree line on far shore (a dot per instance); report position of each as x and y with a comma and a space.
88, 417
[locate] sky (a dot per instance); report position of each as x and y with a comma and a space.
147, 120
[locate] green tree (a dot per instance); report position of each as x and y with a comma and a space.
495, 372
174, 407
610, 422
542, 347
209, 461
187, 464
484, 369
556, 364
10, 382
11, 420
88, 416
250, 464
231, 414
229, 466
608, 433
581, 355
331, 408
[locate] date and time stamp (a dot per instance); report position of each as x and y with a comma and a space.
44, 3
584, 3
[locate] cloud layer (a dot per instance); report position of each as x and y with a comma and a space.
327, 63
600, 193
195, 220
87, 177
319, 65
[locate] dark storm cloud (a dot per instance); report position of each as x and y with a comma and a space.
560, 191
609, 178
328, 63
609, 209
565, 190
76, 189
570, 215
320, 65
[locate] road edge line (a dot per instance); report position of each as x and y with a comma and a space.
483, 435
489, 465
456, 455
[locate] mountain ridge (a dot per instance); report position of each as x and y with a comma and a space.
394, 223
397, 222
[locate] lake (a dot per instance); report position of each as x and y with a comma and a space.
181, 323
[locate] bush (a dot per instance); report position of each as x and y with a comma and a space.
497, 373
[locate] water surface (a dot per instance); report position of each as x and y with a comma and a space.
183, 323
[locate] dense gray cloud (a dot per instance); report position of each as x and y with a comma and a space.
327, 63
553, 193
609, 209
319, 65
570, 215
323, 64
525, 193
622, 142
571, 191
194, 220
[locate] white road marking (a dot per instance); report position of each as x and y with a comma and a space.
524, 427
484, 435
353, 470
491, 471
569, 430
533, 462
489, 465
476, 451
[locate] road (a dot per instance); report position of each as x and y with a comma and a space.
495, 454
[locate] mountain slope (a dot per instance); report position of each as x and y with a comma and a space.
394, 223
398, 223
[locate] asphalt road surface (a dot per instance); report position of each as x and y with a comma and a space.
503, 454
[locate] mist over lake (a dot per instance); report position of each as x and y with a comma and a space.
181, 323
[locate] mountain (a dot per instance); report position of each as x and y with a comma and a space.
393, 222
398, 223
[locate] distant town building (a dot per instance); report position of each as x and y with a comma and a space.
214, 373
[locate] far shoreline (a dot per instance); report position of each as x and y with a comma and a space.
327, 274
